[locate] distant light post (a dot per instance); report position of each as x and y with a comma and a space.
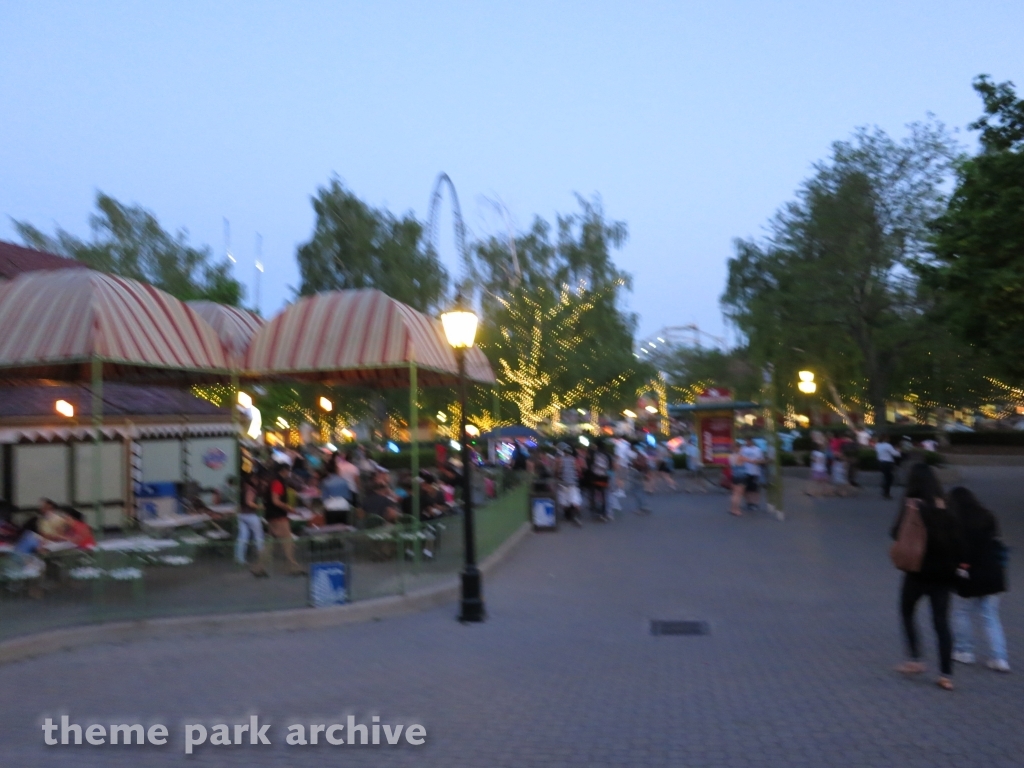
808, 387
806, 383
460, 329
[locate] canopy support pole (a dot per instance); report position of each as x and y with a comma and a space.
775, 490
414, 447
492, 454
97, 456
233, 405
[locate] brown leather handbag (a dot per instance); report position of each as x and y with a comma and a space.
907, 552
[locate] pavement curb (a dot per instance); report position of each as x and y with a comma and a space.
292, 619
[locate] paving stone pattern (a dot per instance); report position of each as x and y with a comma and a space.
796, 670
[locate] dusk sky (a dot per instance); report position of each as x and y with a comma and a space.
693, 121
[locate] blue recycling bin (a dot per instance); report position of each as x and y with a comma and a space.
156, 500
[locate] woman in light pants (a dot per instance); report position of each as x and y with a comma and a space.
988, 608
250, 524
981, 582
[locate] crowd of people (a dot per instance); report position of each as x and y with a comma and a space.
605, 476
51, 524
948, 545
353, 491
834, 460
51, 527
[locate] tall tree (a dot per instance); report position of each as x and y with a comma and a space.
356, 246
534, 340
689, 370
832, 285
555, 331
128, 240
979, 239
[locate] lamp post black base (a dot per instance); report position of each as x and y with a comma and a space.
471, 606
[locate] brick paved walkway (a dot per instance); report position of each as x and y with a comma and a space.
795, 671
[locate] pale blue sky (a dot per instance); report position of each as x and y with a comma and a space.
694, 121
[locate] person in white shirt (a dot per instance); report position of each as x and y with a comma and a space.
887, 456
819, 473
349, 472
738, 472
752, 458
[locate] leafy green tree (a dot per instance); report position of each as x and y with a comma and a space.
554, 331
128, 240
689, 370
356, 246
979, 239
832, 286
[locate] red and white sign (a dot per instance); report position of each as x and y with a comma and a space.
715, 395
716, 439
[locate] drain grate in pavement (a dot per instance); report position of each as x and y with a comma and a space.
679, 627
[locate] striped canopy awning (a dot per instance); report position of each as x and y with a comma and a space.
56, 323
234, 326
358, 337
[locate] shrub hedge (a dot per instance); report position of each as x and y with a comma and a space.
1013, 438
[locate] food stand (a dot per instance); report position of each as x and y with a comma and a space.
714, 417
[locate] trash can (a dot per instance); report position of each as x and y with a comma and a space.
543, 509
155, 501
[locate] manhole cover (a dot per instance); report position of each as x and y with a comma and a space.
679, 627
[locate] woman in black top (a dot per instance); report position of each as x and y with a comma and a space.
944, 554
276, 510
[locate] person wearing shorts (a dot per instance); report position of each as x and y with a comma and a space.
569, 497
665, 465
276, 510
753, 460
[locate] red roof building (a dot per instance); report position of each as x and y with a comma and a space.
15, 259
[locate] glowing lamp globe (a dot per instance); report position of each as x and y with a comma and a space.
807, 387
459, 328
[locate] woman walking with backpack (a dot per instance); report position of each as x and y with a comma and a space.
986, 578
929, 550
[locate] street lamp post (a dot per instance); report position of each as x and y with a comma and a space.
808, 386
460, 329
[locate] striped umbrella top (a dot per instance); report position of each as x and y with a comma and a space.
234, 326
358, 336
55, 323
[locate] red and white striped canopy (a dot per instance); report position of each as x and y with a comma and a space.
56, 323
361, 336
235, 327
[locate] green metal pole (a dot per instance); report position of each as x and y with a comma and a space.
414, 446
97, 457
775, 490
238, 437
334, 414
496, 407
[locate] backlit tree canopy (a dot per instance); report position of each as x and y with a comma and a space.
979, 240
356, 246
555, 332
832, 286
129, 241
